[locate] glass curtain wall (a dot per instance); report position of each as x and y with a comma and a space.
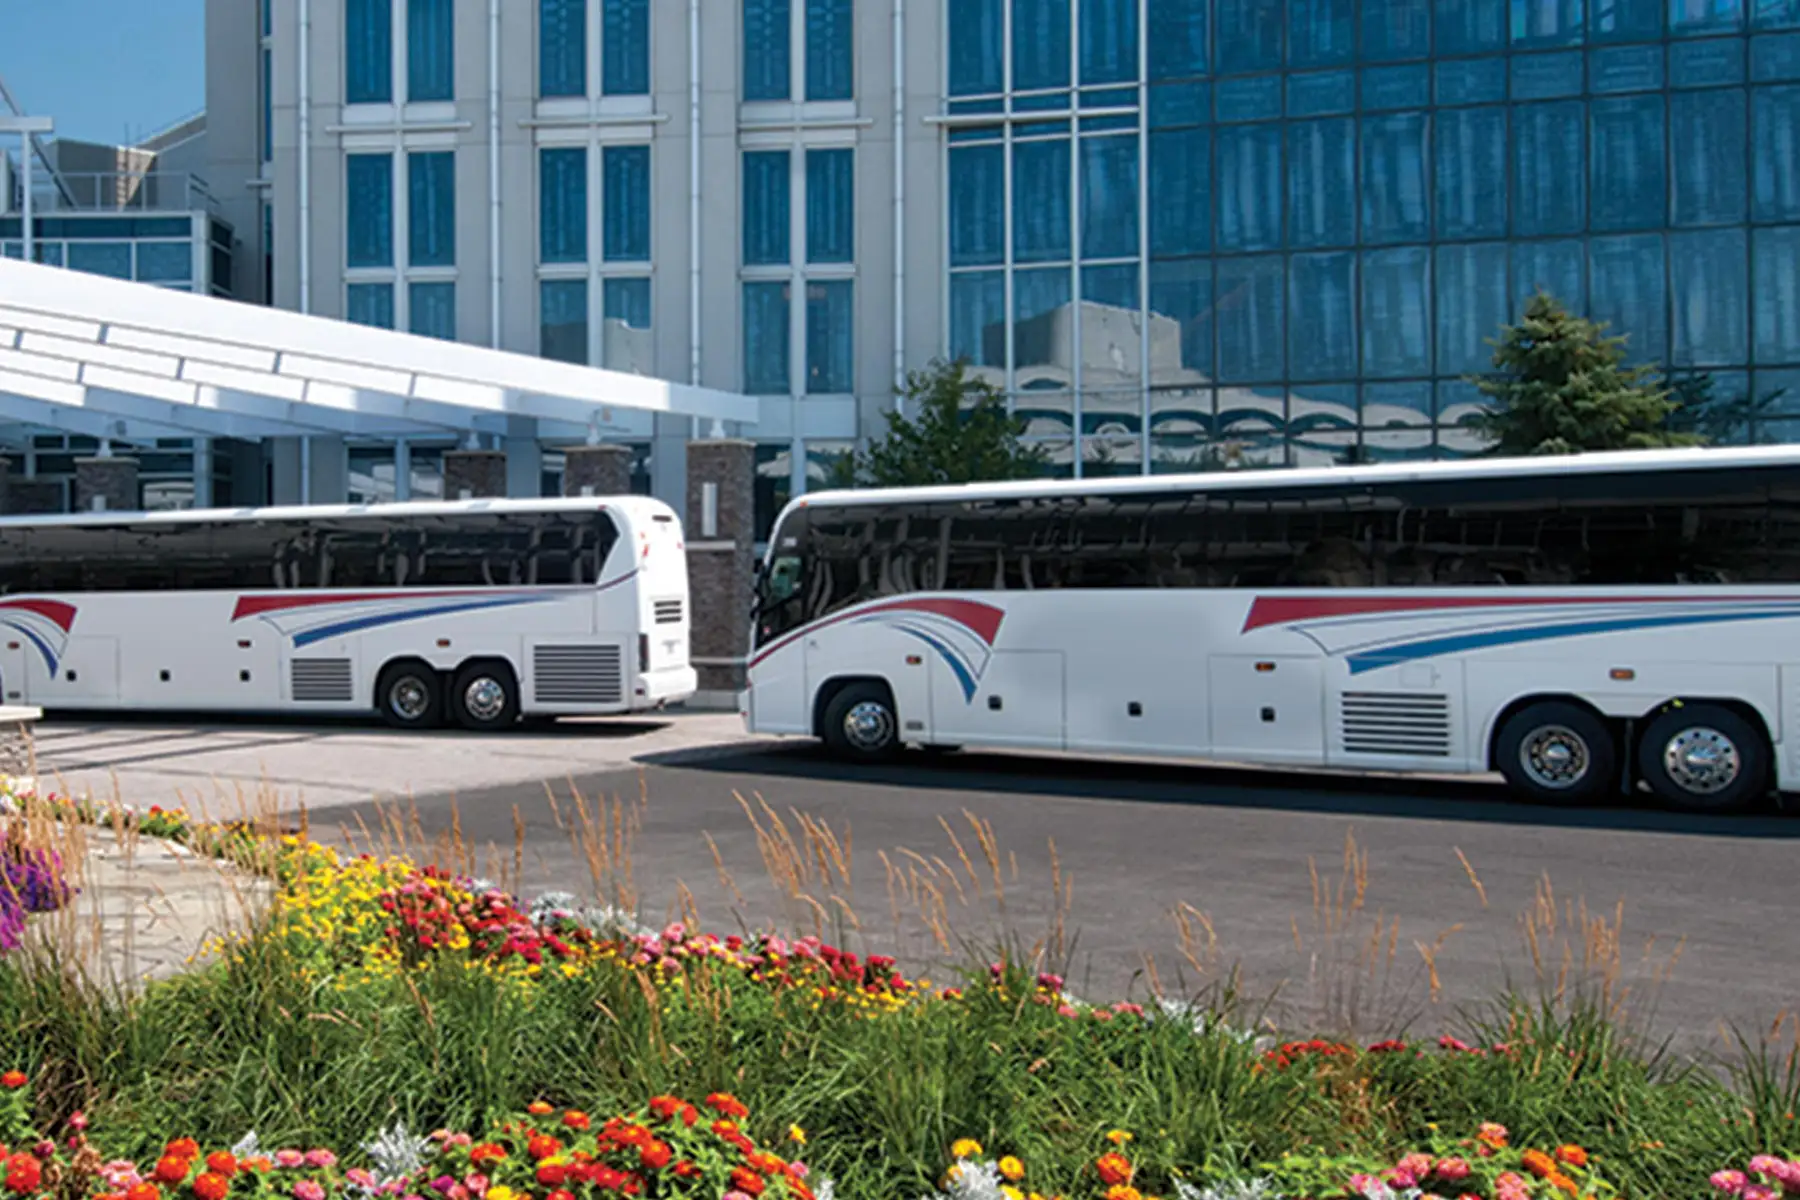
1196, 233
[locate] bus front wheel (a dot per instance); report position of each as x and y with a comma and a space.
410, 696
1557, 752
486, 697
861, 723
1704, 758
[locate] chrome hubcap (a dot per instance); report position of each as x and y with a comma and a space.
1555, 756
485, 698
409, 698
1702, 760
869, 726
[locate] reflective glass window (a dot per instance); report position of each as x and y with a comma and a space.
1393, 182
1038, 297
368, 51
1250, 35
563, 320
1471, 172
1558, 268
1394, 29
1321, 32
625, 337
1252, 296
1710, 288
768, 50
1626, 20
1249, 188
1706, 156
1395, 312
1775, 117
1040, 44
625, 47
562, 48
430, 50
830, 363
431, 309
1470, 26
1629, 281
625, 200
1177, 36
1321, 165
1546, 22
1180, 194
830, 49
766, 198
1471, 305
369, 304
1629, 182
1109, 41
1181, 323
766, 338
1322, 316
1775, 14
369, 233
976, 31
1041, 198
978, 318
1689, 17
978, 205
431, 208
1549, 180
1109, 197
830, 205
1776, 294
562, 204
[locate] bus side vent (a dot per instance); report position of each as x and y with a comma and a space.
1409, 723
577, 675
323, 680
668, 612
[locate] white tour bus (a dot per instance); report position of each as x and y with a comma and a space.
474, 611
1580, 624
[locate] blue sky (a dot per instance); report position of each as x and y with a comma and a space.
106, 70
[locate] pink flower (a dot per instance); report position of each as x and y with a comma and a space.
321, 1159
736, 1196
1364, 1185
308, 1189
476, 1183
1399, 1177
1732, 1183
1418, 1166
360, 1177
1453, 1170
461, 1139
289, 1159
1760, 1191
1067, 1010
1766, 1164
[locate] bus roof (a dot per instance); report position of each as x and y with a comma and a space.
1248, 479
327, 512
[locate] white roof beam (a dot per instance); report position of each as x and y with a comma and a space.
447, 417
55, 404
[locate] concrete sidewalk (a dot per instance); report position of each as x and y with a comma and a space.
145, 907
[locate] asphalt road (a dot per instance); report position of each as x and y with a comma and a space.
1372, 903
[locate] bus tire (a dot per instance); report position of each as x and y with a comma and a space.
410, 695
1704, 758
1556, 752
486, 696
861, 723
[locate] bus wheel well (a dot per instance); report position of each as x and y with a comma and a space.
1739, 708
1523, 702
831, 687
394, 664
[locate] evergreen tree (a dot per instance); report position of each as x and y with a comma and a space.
1560, 386
954, 429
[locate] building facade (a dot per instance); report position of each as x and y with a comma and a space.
1176, 233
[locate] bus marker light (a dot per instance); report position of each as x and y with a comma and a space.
1622, 673
243, 643
912, 660
1263, 668
12, 645
443, 643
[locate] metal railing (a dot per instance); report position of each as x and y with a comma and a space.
121, 192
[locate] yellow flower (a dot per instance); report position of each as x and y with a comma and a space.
1011, 1192
1012, 1169
1118, 1137
796, 1135
1118, 1191
502, 1192
965, 1148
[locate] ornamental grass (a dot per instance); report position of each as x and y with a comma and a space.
397, 1026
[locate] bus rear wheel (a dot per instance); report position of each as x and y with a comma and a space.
1704, 758
860, 724
410, 696
1556, 752
485, 697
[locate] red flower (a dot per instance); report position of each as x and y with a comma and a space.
576, 1120
12, 1081
538, 1108
746, 1181
186, 1148
729, 1105
543, 1146
212, 1186
171, 1168
222, 1162
23, 1174
143, 1191
560, 1195
1115, 1169
689, 1114
655, 1155
486, 1153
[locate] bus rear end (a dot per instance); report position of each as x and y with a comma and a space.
662, 671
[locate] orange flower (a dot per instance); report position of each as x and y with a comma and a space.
211, 1186
1562, 1183
171, 1169
1572, 1155
1122, 1191
538, 1108
143, 1191
12, 1081
186, 1148
1539, 1163
1492, 1136
1114, 1169
746, 1181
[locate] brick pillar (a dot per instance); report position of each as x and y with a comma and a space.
606, 469
107, 484
480, 473
720, 562
33, 496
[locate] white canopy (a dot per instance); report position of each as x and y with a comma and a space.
102, 357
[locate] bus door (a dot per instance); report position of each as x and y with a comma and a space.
12, 667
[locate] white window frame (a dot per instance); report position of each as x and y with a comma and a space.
593, 104
594, 138
797, 108
397, 108
397, 145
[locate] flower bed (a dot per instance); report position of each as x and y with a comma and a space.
31, 876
